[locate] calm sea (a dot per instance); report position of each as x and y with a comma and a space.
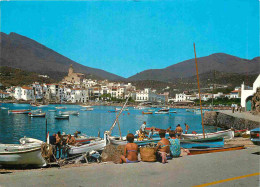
15, 126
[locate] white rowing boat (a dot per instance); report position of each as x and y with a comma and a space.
225, 134
21, 155
69, 113
94, 145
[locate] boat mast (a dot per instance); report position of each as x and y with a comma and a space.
199, 90
117, 116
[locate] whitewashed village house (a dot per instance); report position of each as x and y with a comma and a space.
247, 93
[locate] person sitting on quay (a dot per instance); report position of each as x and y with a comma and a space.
178, 131
131, 151
58, 142
187, 127
175, 146
70, 140
163, 147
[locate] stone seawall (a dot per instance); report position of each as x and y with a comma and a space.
226, 121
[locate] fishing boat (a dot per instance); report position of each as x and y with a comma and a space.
118, 109
203, 143
172, 112
86, 106
147, 112
62, 116
4, 108
52, 110
195, 151
24, 111
94, 145
26, 140
21, 155
76, 113
164, 109
60, 107
161, 112
226, 134
37, 114
89, 109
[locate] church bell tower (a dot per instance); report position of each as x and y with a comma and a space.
71, 70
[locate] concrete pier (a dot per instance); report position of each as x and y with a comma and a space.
231, 168
226, 119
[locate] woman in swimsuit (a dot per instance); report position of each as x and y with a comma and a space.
163, 146
130, 152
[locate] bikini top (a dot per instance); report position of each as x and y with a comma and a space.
162, 145
131, 151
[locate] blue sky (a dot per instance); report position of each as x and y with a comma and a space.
128, 37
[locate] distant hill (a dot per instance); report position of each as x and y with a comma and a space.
17, 77
220, 62
18, 51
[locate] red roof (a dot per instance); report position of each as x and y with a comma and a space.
3, 92
235, 91
27, 88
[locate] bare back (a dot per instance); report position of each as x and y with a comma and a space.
131, 151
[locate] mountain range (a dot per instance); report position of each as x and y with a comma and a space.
18, 51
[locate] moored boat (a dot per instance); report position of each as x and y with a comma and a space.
62, 117
21, 155
60, 107
24, 111
92, 146
147, 112
226, 134
37, 114
195, 151
161, 112
69, 113
203, 143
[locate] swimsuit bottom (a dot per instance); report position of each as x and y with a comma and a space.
130, 161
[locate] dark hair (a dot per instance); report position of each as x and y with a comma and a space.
172, 134
162, 133
58, 133
130, 138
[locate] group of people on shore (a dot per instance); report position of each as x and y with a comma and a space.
59, 142
165, 148
178, 131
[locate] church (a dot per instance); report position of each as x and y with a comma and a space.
73, 78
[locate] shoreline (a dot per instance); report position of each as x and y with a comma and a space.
235, 141
121, 104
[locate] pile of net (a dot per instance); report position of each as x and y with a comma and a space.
112, 153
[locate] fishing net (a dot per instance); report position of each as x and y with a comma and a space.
112, 153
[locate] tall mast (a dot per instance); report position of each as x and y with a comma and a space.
199, 90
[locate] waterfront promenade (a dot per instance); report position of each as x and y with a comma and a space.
236, 168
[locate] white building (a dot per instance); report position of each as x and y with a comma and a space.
25, 93
3, 94
248, 92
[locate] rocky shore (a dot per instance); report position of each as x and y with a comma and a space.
227, 120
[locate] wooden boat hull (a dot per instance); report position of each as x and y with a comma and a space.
19, 111
214, 150
17, 156
203, 143
199, 143
226, 134
37, 115
92, 146
62, 117
147, 112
